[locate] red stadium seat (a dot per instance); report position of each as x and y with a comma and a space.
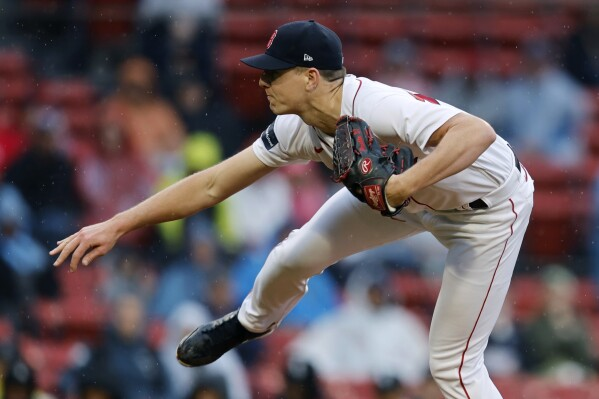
438, 59
554, 390
442, 26
526, 294
314, 3
13, 63
49, 358
362, 60
347, 389
325, 17
66, 92
16, 89
371, 27
592, 322
241, 26
248, 4
240, 83
110, 21
6, 330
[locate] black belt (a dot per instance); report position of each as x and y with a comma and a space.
479, 203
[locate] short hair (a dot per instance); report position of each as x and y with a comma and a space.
330, 75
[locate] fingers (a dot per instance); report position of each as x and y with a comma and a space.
93, 254
65, 249
77, 255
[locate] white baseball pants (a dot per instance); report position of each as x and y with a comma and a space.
483, 246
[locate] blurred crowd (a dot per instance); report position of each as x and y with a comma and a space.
96, 117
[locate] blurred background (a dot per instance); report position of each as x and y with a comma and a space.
105, 102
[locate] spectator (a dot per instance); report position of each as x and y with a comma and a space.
128, 271
145, 119
428, 390
388, 388
580, 47
309, 190
189, 278
96, 383
324, 295
136, 369
483, 93
593, 232
270, 201
203, 111
179, 36
182, 320
556, 343
379, 337
545, 108
114, 178
301, 381
46, 178
13, 138
502, 355
22, 258
19, 382
209, 388
400, 67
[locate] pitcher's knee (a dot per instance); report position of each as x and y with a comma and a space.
294, 257
446, 372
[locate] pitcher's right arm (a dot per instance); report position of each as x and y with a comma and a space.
190, 195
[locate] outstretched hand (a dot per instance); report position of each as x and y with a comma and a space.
87, 244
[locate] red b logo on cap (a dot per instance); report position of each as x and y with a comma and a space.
274, 34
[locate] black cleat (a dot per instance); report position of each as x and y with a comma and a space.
209, 342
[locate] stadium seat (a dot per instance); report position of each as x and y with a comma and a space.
245, 27
554, 390
371, 27
80, 311
110, 21
587, 299
437, 60
66, 92
415, 292
266, 375
445, 27
526, 294
6, 330
240, 83
16, 89
348, 389
362, 59
255, 5
592, 322
318, 4
13, 62
557, 227
326, 17
500, 60
49, 358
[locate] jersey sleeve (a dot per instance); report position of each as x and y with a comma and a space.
283, 142
411, 116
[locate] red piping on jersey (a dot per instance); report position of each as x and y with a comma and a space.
423, 204
355, 95
485, 301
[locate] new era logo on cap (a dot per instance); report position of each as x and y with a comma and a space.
300, 43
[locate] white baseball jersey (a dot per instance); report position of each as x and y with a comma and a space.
482, 243
398, 117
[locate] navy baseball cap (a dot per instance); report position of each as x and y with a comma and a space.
300, 43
